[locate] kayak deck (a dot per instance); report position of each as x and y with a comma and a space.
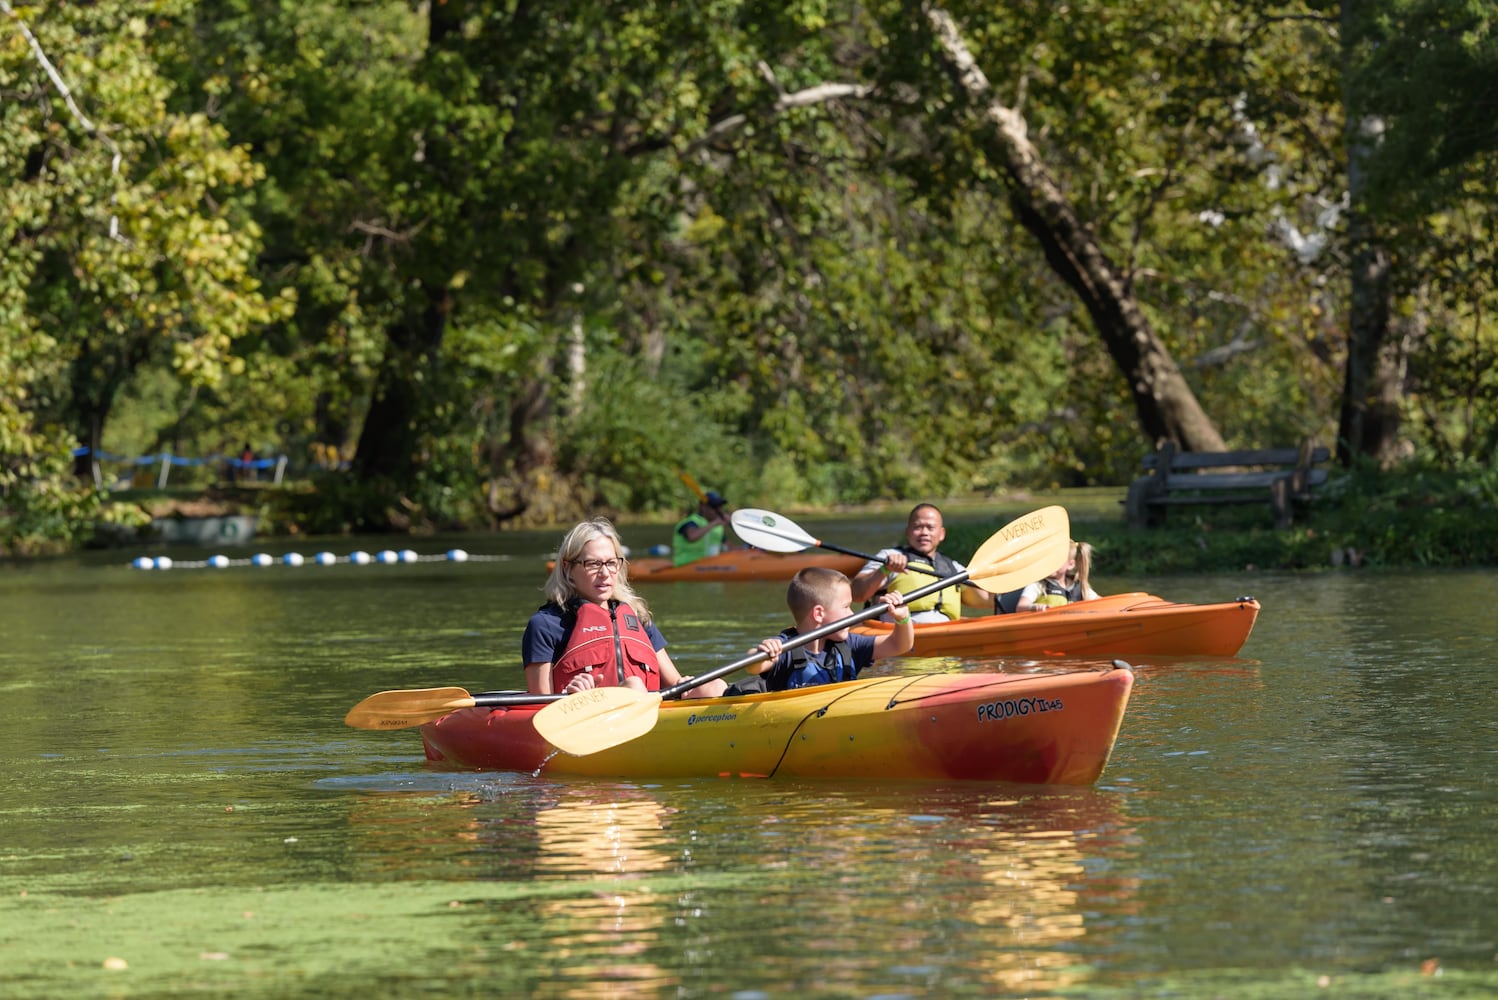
740, 564
1126, 625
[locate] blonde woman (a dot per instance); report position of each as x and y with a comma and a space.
594, 630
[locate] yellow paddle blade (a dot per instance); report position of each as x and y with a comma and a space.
1025, 550
692, 485
404, 709
596, 719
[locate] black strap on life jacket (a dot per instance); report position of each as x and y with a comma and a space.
841, 670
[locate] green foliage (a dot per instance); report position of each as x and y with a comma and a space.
1425, 71
1414, 515
333, 208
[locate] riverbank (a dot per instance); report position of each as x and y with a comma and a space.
1405, 519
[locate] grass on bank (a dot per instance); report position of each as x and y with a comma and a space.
1409, 519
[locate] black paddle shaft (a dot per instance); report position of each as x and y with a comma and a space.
677, 690
501, 699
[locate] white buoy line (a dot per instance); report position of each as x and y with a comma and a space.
356, 558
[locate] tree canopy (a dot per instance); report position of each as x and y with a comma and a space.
475, 263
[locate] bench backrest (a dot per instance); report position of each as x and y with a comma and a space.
1185, 461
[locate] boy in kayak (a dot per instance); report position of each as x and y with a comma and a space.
818, 596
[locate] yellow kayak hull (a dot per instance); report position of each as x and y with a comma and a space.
1046, 728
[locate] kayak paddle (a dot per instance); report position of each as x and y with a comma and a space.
772, 532
1023, 551
404, 709
692, 484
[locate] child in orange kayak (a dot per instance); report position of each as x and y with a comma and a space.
816, 597
1066, 585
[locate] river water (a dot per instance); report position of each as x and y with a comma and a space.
185, 812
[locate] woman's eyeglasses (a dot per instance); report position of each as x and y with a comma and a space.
594, 565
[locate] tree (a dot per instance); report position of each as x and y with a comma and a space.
127, 243
1419, 76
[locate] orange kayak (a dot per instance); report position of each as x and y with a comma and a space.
1119, 625
740, 564
1044, 728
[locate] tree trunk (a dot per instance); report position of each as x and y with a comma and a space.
1164, 402
1372, 384
388, 443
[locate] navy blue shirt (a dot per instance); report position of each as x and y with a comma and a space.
543, 635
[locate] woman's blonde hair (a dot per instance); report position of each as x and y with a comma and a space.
559, 588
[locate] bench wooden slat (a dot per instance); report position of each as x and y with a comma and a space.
1224, 459
1239, 480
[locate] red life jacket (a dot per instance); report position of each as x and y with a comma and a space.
610, 643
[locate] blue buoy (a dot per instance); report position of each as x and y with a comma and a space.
457, 555
325, 558
218, 562
261, 559
292, 559
163, 562
408, 555
143, 562
359, 557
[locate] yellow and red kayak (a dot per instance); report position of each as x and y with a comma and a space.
1126, 625
1041, 728
740, 564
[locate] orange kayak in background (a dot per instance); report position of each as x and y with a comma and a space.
1125, 625
740, 564
1040, 728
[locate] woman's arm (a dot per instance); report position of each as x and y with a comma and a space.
538, 678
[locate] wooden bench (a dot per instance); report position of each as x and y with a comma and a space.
1283, 476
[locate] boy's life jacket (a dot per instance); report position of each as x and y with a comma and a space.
609, 643
836, 665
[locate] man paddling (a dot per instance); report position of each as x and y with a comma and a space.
915, 564
700, 534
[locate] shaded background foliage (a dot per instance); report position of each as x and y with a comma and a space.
478, 263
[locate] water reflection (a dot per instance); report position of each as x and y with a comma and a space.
604, 940
599, 938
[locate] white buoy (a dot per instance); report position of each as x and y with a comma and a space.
457, 555
660, 550
325, 558
387, 556
163, 562
261, 559
359, 557
218, 562
292, 559
408, 555
143, 562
